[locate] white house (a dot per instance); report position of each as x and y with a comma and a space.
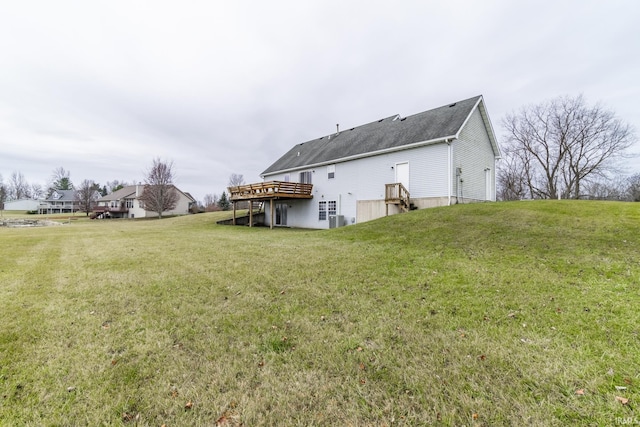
59, 201
436, 158
125, 203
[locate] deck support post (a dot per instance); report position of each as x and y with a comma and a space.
234, 213
271, 219
250, 213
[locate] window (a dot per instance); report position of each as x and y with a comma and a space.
326, 209
332, 207
286, 178
331, 171
305, 177
322, 211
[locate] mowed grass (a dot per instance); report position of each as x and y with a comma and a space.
488, 314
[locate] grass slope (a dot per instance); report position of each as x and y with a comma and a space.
488, 314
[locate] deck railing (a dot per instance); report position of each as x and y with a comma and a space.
271, 190
397, 194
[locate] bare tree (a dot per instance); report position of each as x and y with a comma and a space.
86, 195
210, 202
563, 143
114, 185
159, 193
18, 187
512, 185
236, 179
37, 191
633, 188
3, 193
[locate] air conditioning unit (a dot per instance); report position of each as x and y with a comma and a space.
336, 221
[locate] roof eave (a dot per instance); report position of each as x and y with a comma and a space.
363, 155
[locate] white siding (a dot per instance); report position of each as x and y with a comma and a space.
362, 182
473, 153
21, 205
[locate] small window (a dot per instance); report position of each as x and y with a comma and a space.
332, 207
305, 177
287, 177
331, 171
322, 211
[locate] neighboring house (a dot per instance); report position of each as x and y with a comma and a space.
436, 158
27, 205
125, 203
60, 201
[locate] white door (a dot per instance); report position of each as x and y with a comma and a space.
487, 183
402, 174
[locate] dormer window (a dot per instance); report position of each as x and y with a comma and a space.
55, 195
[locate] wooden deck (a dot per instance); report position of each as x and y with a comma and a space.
270, 190
263, 191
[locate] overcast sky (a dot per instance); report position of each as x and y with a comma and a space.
101, 88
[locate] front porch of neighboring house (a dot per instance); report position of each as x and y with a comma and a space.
266, 191
59, 207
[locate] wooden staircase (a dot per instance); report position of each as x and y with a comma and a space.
397, 194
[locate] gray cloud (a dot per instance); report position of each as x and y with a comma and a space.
101, 88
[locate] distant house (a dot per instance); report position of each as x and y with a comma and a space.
126, 203
436, 158
59, 201
26, 205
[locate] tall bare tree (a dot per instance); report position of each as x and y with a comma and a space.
561, 144
159, 194
37, 191
210, 202
3, 193
87, 196
633, 188
18, 187
234, 181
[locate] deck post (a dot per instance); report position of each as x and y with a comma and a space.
234, 213
250, 213
271, 218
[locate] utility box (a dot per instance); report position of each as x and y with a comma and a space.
336, 221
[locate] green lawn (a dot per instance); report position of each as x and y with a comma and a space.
520, 313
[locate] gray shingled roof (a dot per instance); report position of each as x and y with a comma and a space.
388, 133
123, 193
65, 196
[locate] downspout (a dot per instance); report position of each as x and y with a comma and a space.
449, 171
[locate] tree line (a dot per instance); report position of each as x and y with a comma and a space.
159, 193
565, 148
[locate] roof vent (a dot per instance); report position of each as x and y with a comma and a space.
453, 105
403, 119
380, 120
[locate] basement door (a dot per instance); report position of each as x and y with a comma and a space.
281, 214
402, 174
